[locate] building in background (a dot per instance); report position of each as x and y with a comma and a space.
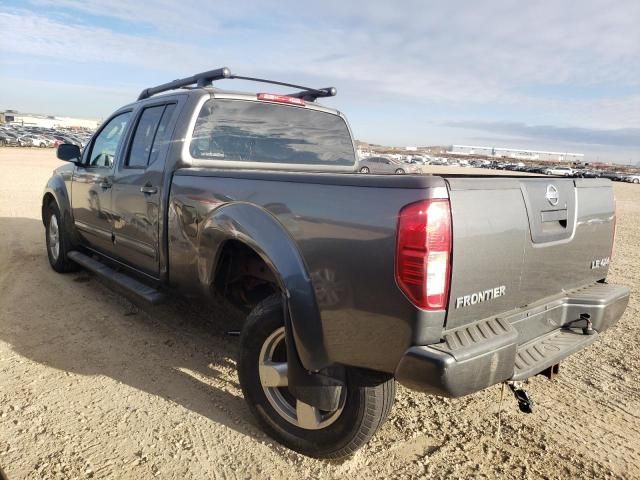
46, 121
517, 154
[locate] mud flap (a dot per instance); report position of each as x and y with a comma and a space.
320, 389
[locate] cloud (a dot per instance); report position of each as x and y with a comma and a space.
622, 137
460, 52
498, 61
38, 36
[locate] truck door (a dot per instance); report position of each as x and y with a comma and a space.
92, 183
137, 189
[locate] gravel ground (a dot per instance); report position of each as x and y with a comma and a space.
94, 386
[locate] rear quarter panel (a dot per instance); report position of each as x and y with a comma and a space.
346, 234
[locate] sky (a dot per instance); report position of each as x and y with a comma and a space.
545, 75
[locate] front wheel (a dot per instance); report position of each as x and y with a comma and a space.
364, 405
635, 180
57, 241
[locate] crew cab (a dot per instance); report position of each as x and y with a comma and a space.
448, 284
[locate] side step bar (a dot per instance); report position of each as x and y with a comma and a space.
130, 284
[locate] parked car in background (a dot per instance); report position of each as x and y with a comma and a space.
8, 141
437, 161
36, 141
416, 160
634, 178
43, 141
25, 141
35, 136
615, 176
586, 174
386, 165
563, 171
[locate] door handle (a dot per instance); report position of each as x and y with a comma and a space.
148, 189
105, 185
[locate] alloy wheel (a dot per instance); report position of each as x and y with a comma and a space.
272, 367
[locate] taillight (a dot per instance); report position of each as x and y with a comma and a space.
270, 97
423, 253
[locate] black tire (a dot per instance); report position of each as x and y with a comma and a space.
635, 180
60, 262
364, 170
368, 398
399, 171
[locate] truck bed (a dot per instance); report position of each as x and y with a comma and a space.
506, 236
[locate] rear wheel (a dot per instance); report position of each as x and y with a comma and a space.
364, 170
365, 403
57, 241
635, 180
399, 171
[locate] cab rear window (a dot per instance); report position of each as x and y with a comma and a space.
245, 131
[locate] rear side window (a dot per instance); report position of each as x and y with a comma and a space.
163, 135
151, 134
245, 131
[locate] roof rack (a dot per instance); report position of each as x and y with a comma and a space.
205, 79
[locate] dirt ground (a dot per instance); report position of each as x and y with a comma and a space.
93, 386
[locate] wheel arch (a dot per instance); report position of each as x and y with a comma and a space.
56, 191
47, 199
246, 224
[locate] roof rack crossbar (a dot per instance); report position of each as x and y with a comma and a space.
201, 79
311, 96
205, 79
307, 93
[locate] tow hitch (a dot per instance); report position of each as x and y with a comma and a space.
585, 323
525, 404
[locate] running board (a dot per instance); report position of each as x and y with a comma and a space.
130, 284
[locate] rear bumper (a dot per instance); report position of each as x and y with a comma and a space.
515, 346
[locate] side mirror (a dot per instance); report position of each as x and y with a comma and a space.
69, 152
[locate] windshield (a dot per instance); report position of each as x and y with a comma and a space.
246, 131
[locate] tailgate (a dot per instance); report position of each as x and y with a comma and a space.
517, 240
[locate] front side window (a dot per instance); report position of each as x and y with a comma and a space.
246, 131
106, 143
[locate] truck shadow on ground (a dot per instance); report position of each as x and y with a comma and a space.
76, 323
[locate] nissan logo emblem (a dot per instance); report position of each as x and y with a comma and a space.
552, 195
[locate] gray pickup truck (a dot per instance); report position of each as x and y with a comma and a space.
447, 284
